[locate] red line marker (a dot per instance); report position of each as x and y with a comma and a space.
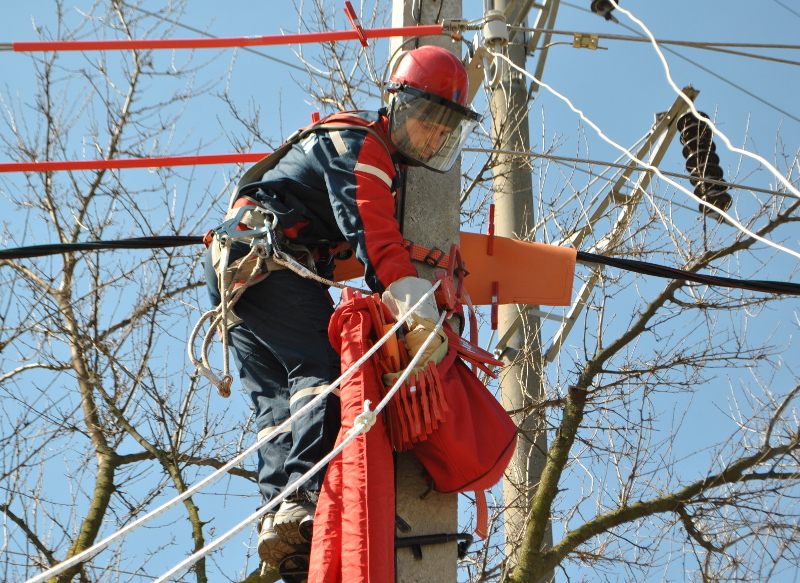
119, 163
224, 42
355, 23
490, 232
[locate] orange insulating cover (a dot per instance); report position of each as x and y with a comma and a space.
527, 273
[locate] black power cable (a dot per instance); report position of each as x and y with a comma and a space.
159, 242
773, 287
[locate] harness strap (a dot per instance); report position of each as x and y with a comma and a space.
434, 257
336, 122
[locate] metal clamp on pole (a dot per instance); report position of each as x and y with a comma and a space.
455, 26
586, 41
417, 542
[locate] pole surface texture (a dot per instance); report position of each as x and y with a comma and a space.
431, 219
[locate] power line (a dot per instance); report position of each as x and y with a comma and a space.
776, 287
643, 267
710, 72
751, 55
732, 84
685, 43
220, 42
625, 167
158, 162
158, 242
787, 8
199, 31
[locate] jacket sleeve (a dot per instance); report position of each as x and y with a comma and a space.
359, 181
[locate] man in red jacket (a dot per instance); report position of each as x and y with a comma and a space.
337, 185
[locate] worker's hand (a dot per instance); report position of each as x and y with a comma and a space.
417, 336
399, 298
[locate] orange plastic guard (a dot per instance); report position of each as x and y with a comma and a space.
528, 273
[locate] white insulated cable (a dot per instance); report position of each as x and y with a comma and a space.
655, 169
362, 424
691, 105
214, 476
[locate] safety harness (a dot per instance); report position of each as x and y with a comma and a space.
270, 250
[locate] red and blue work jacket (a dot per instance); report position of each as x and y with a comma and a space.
339, 185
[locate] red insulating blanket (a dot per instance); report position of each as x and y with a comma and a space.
356, 546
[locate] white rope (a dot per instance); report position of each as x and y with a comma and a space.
691, 105
655, 169
362, 424
290, 262
229, 296
127, 529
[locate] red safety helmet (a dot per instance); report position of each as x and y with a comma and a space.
429, 120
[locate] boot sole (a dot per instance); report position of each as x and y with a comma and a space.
295, 532
274, 550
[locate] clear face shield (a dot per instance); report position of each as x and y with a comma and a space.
427, 129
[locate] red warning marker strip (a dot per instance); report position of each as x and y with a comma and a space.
55, 165
355, 23
359, 34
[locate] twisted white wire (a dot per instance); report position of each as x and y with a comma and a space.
691, 105
214, 476
362, 424
655, 169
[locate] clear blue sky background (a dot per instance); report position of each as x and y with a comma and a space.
620, 89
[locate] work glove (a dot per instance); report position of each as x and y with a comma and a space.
399, 298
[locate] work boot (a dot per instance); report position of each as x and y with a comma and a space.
271, 549
294, 521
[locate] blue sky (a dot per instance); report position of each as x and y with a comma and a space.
620, 89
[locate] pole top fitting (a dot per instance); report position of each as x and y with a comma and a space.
495, 29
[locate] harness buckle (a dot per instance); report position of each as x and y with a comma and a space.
429, 259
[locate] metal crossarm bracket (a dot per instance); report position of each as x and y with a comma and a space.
502, 343
656, 145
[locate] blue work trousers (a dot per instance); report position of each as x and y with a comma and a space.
285, 359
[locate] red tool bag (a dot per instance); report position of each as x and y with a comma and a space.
459, 431
471, 449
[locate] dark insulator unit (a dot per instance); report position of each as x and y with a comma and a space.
603, 8
702, 161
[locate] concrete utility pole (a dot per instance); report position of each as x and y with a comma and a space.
432, 219
521, 378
